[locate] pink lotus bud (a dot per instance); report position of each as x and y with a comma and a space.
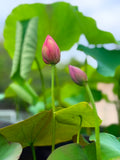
77, 75
50, 51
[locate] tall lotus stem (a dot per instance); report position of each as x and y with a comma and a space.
97, 130
80, 78
53, 108
33, 151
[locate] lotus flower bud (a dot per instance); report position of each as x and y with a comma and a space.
50, 51
77, 75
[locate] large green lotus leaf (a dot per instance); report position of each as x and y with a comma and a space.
9, 151
71, 115
60, 20
69, 152
25, 47
57, 20
89, 28
74, 152
37, 130
108, 60
110, 146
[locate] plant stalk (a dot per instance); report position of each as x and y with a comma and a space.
97, 130
78, 134
53, 107
33, 151
42, 81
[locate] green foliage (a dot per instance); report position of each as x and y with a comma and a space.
110, 150
116, 88
5, 66
9, 151
25, 48
72, 114
38, 107
74, 152
110, 146
72, 94
37, 130
94, 35
94, 77
24, 36
23, 90
68, 152
108, 60
117, 74
90, 150
61, 20
113, 129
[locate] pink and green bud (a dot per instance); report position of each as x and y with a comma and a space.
50, 51
78, 76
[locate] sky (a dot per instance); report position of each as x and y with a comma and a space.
105, 12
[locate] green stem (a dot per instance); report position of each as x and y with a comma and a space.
78, 134
33, 151
53, 107
97, 130
42, 80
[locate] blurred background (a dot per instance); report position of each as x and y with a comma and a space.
105, 12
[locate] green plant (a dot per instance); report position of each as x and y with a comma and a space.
63, 109
8, 150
